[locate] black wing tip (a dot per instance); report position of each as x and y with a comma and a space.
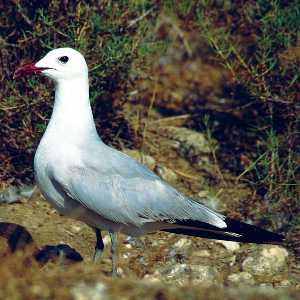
235, 231
253, 234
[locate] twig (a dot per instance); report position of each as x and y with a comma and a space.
145, 14
250, 167
168, 119
20, 11
182, 174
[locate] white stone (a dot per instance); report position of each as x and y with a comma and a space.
229, 245
277, 252
177, 269
82, 291
183, 274
183, 243
268, 262
205, 275
201, 253
75, 229
128, 246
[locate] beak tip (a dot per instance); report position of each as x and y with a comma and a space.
28, 69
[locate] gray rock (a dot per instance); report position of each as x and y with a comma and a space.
10, 195
241, 278
82, 291
134, 242
183, 247
267, 262
205, 275
14, 194
193, 141
190, 144
184, 274
28, 191
183, 243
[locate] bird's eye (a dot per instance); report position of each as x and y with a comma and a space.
63, 59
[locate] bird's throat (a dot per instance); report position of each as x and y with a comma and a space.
72, 115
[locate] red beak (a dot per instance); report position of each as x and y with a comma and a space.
28, 69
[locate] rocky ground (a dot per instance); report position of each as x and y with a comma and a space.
160, 265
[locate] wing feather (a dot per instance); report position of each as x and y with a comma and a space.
126, 192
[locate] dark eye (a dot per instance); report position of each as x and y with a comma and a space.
63, 59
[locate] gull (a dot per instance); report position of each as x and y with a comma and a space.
85, 179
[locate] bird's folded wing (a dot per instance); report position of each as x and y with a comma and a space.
135, 200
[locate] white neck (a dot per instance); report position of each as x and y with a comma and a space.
72, 117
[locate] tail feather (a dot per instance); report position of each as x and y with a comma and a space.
235, 231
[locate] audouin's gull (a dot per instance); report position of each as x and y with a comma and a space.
85, 179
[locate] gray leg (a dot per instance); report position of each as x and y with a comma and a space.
99, 245
114, 252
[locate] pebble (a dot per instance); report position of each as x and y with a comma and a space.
184, 274
267, 262
183, 243
229, 245
82, 291
128, 246
205, 275
10, 195
75, 229
241, 278
191, 145
14, 194
134, 242
193, 142
200, 253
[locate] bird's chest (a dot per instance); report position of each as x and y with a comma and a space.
52, 163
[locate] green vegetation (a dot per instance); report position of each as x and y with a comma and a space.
265, 64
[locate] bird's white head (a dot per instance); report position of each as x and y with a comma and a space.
59, 65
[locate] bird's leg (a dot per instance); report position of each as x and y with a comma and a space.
114, 251
99, 245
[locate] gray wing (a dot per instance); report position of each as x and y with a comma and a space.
121, 190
